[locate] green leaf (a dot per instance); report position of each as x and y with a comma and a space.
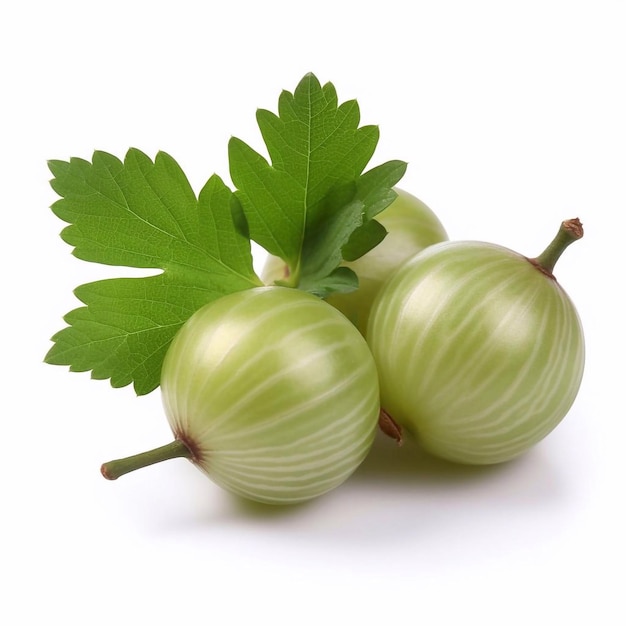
305, 206
342, 280
143, 214
363, 240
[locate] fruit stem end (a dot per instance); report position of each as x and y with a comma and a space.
570, 231
390, 427
114, 469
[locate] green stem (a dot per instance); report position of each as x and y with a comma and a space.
292, 277
119, 467
570, 231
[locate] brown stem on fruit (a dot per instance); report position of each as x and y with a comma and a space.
390, 427
570, 231
119, 467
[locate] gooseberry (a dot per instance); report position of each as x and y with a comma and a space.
480, 351
271, 392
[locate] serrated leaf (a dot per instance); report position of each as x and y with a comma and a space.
305, 205
144, 214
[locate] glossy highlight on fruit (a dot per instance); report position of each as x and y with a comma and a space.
411, 226
272, 393
480, 351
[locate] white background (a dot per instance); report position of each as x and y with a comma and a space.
512, 116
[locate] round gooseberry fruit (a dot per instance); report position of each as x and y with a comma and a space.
271, 392
480, 351
411, 226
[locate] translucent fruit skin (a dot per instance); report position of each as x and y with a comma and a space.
276, 392
411, 227
480, 354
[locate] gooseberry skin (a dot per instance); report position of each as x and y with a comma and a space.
411, 226
480, 354
274, 392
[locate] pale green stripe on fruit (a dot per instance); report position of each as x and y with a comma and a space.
294, 486
314, 407
438, 394
283, 395
246, 401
